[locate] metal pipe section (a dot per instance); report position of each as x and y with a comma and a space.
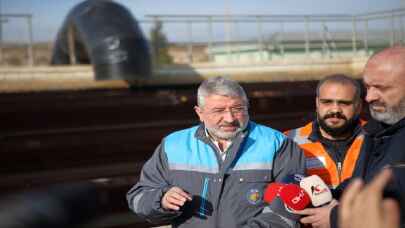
106, 35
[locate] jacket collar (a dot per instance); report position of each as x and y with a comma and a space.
377, 129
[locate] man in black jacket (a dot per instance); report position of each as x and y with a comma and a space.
384, 78
384, 146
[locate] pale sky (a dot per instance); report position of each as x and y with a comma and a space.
48, 15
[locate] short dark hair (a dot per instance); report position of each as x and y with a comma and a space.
342, 79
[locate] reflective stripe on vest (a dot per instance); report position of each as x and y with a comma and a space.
186, 152
318, 160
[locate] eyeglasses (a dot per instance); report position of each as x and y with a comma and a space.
238, 110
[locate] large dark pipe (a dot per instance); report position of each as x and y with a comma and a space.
105, 34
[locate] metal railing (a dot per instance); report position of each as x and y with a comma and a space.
11, 19
228, 39
279, 35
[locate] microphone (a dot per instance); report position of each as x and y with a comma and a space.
317, 190
294, 197
283, 198
272, 191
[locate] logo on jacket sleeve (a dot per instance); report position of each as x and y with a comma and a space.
254, 196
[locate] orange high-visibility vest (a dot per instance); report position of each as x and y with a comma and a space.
319, 162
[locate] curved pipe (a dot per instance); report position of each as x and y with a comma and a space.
105, 34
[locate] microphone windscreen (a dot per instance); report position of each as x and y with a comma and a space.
272, 190
317, 190
294, 197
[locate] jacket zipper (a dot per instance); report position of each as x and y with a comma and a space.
204, 193
339, 168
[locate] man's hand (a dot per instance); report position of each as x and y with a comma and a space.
317, 217
364, 206
175, 198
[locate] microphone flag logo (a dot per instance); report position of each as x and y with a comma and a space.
317, 190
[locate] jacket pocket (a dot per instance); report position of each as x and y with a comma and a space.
252, 186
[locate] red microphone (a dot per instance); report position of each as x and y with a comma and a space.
283, 198
294, 197
272, 191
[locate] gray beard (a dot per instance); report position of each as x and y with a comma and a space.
392, 115
216, 133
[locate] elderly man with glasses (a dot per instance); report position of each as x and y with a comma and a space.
215, 174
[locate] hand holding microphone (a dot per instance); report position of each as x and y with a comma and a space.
291, 199
320, 194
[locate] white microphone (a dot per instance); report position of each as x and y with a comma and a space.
317, 190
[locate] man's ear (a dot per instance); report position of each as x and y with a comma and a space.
199, 112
